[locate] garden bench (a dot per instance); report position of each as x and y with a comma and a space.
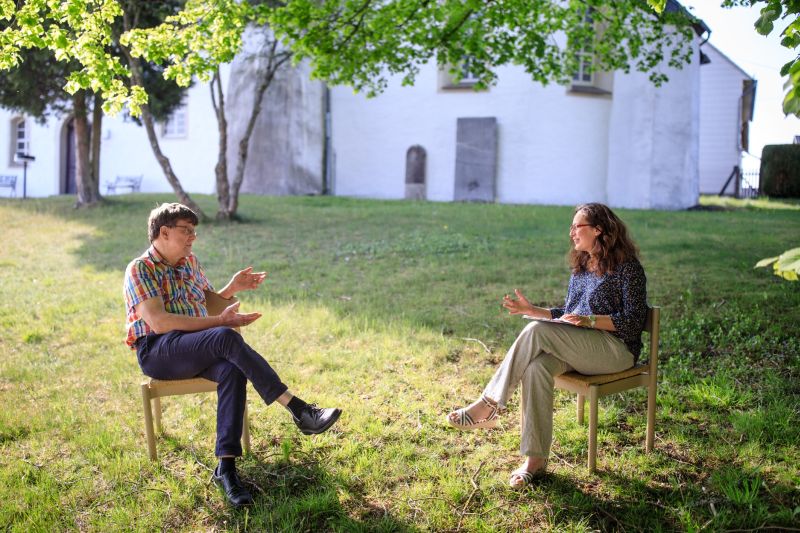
641, 375
124, 182
155, 389
9, 182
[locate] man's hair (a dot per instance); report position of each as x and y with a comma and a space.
168, 215
614, 246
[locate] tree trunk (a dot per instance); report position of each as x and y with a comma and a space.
276, 60
221, 168
274, 63
83, 170
149, 126
97, 132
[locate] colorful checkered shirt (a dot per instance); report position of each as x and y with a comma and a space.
180, 287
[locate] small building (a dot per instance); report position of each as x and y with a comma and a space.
727, 100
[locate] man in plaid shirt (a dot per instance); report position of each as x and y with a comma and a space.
174, 337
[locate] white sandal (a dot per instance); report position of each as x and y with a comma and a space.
465, 422
522, 477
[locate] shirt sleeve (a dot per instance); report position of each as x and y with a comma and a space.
558, 312
140, 283
629, 321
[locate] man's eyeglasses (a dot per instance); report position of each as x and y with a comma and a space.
575, 227
189, 232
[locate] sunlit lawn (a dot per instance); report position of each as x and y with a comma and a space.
391, 311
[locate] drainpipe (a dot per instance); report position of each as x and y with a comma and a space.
327, 151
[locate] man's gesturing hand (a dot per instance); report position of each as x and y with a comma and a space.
520, 306
232, 318
246, 280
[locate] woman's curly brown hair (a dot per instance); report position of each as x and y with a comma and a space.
613, 246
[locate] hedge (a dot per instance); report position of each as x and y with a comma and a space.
780, 170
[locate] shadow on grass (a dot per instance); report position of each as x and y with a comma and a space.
293, 491
728, 497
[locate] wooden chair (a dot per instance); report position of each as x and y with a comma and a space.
594, 387
155, 389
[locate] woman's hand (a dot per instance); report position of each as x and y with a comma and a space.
577, 320
520, 306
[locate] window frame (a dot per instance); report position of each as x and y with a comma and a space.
585, 62
182, 111
585, 57
16, 123
447, 81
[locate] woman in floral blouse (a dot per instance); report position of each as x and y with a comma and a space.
598, 331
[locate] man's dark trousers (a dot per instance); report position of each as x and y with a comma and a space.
220, 355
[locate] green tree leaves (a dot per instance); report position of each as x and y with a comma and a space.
361, 42
786, 265
78, 30
769, 14
354, 42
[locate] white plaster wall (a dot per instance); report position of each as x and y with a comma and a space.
287, 143
653, 140
720, 96
125, 150
552, 146
42, 174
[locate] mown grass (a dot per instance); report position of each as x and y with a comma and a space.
391, 311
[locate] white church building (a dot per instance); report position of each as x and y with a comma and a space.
608, 137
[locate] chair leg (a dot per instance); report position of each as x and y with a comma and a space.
651, 416
148, 423
581, 402
157, 414
592, 463
246, 431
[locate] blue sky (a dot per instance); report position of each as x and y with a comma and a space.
733, 34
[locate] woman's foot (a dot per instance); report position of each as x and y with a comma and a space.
532, 468
481, 413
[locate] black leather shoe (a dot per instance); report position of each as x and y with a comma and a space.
234, 490
314, 420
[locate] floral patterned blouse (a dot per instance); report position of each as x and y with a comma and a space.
621, 294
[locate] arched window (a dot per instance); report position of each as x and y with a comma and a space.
20, 138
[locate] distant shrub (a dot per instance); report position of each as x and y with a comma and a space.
780, 170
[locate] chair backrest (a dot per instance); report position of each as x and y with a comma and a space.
651, 325
8, 181
215, 304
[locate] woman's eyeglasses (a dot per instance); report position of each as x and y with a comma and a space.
575, 227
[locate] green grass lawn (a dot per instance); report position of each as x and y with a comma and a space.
391, 310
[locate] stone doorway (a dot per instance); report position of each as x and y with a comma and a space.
68, 158
415, 173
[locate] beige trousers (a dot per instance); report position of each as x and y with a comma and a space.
542, 351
